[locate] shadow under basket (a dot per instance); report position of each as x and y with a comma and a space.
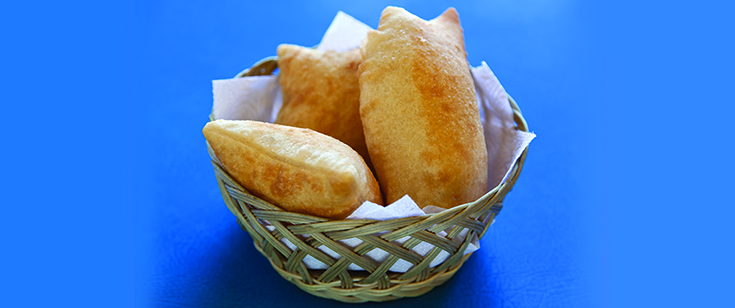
376, 283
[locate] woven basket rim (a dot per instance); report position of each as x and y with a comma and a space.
268, 65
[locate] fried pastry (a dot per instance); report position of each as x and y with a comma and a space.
419, 110
297, 169
321, 92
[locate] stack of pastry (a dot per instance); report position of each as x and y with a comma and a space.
402, 105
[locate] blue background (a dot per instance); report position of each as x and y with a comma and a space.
109, 198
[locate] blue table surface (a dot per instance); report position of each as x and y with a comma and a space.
537, 254
622, 202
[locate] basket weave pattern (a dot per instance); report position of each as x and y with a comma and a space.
376, 282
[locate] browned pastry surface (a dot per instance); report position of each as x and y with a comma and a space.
419, 110
321, 92
296, 169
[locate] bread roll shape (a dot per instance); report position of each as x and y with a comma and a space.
297, 169
321, 92
419, 110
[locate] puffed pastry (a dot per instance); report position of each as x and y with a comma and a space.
419, 110
297, 169
321, 92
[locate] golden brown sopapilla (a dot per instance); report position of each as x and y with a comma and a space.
321, 92
297, 169
419, 110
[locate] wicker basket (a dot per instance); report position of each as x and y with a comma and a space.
376, 283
